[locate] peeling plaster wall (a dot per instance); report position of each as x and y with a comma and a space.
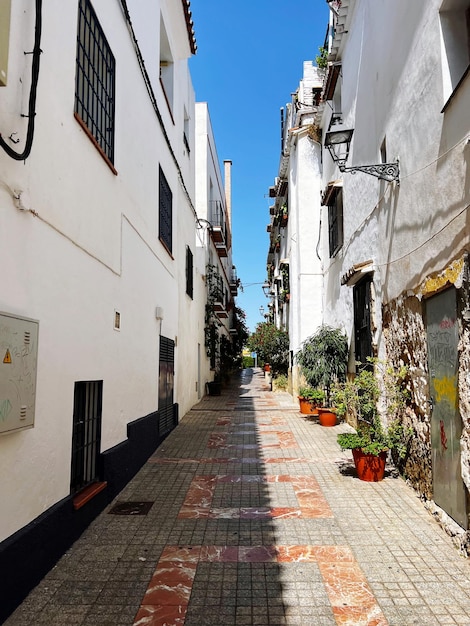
405, 342
404, 335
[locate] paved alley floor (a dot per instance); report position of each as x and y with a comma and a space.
249, 513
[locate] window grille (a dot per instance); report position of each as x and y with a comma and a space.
166, 383
189, 272
335, 223
165, 212
86, 438
362, 321
95, 80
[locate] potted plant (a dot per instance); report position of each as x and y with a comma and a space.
309, 399
323, 361
372, 440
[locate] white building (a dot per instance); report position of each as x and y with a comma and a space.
214, 208
393, 264
396, 254
294, 266
102, 308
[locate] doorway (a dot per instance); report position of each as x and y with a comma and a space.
446, 423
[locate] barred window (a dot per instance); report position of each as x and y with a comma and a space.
189, 272
86, 438
165, 212
95, 80
335, 222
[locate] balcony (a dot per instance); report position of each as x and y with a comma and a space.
234, 282
219, 231
217, 295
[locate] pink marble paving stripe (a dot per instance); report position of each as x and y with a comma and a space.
198, 501
286, 439
351, 598
169, 591
234, 459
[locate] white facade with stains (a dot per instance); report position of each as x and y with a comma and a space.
398, 76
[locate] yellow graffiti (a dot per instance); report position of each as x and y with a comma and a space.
446, 388
450, 275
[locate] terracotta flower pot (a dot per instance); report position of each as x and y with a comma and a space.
369, 467
307, 407
327, 417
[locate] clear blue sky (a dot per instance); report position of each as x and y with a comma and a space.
249, 60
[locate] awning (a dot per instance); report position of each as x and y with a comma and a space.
330, 192
356, 272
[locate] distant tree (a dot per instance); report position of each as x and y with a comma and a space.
271, 346
231, 349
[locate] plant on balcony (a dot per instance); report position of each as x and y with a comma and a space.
211, 320
322, 58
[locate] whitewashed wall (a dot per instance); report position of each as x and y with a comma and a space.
93, 246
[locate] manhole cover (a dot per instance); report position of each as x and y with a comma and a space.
131, 508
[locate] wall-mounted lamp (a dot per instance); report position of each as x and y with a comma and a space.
266, 287
261, 311
202, 223
338, 143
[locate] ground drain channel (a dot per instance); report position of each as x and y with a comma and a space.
131, 508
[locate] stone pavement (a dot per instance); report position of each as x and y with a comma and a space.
249, 513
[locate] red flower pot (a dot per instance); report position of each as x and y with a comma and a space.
369, 467
327, 417
307, 407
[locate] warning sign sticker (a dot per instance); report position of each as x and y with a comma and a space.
7, 357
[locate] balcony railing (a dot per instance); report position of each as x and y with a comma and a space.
218, 222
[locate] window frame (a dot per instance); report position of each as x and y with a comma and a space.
95, 83
454, 16
165, 212
335, 222
362, 311
189, 273
86, 434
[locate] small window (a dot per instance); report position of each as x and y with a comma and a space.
166, 67
86, 439
189, 272
335, 222
186, 132
165, 202
455, 31
95, 81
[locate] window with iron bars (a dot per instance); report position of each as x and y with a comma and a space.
335, 223
95, 80
86, 437
165, 203
189, 272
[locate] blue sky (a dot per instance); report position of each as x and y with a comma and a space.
249, 60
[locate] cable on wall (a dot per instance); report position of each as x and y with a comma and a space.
32, 93
153, 100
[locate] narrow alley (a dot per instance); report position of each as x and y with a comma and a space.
249, 513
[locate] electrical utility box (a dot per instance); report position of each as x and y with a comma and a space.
18, 367
5, 10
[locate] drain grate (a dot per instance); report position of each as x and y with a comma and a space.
131, 508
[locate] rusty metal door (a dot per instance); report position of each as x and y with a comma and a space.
446, 423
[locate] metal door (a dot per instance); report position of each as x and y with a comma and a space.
446, 424
165, 386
